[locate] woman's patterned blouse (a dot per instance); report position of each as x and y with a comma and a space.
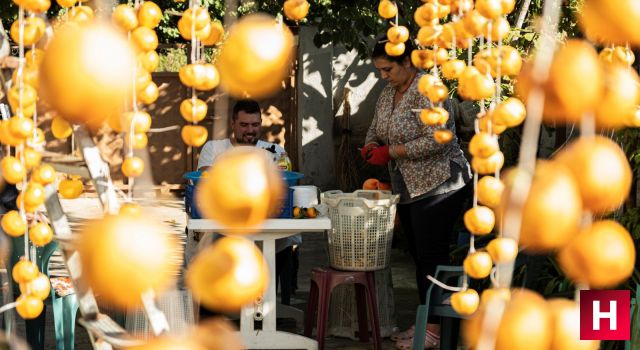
427, 163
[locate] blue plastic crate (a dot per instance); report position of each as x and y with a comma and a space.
291, 177
192, 178
287, 205
189, 193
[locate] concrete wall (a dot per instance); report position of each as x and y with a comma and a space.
315, 115
324, 74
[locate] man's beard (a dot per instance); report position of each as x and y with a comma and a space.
245, 141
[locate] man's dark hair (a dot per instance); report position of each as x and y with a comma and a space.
247, 106
380, 52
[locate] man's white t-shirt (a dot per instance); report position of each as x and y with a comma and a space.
212, 149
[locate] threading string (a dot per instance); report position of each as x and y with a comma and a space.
35, 107
489, 119
130, 191
490, 323
194, 40
454, 53
455, 41
194, 99
396, 24
498, 92
434, 69
489, 30
475, 188
131, 132
470, 52
195, 52
21, 59
527, 158
499, 73
493, 276
9, 306
20, 148
489, 44
588, 125
23, 213
472, 244
134, 96
444, 286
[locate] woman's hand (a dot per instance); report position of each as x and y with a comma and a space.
365, 152
379, 155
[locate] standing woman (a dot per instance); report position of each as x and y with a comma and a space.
431, 178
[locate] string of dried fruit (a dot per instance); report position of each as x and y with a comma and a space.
24, 169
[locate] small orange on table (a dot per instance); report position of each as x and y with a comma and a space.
311, 212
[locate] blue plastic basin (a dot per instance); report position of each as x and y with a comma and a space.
290, 177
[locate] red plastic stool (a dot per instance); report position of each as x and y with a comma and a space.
323, 280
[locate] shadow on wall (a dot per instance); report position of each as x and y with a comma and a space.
324, 75
360, 78
169, 158
273, 126
315, 113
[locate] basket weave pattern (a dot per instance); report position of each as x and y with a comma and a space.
360, 239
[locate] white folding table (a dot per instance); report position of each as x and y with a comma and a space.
272, 229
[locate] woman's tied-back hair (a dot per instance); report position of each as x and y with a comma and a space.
380, 52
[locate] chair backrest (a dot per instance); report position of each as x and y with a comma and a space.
446, 274
43, 255
434, 302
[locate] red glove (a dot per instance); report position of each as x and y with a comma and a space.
379, 155
365, 152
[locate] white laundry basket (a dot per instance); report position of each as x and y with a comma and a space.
362, 229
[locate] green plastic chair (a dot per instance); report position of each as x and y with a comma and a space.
434, 306
64, 308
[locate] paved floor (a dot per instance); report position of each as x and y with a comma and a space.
312, 253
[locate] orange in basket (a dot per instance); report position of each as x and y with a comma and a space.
375, 184
370, 184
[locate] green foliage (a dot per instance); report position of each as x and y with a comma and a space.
331, 17
352, 23
171, 59
9, 12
